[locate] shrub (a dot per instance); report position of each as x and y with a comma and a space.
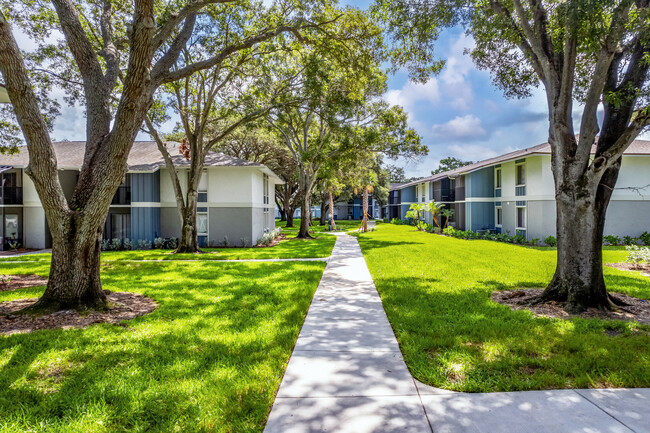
449, 231
637, 255
244, 242
629, 240
611, 240
397, 221
172, 243
128, 244
225, 241
105, 244
14, 245
116, 244
144, 244
534, 241
645, 238
550, 241
159, 243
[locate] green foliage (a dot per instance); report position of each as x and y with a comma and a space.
437, 290
450, 163
397, 221
629, 240
550, 241
645, 238
611, 240
210, 357
637, 255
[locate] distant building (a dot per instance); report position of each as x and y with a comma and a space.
235, 197
515, 193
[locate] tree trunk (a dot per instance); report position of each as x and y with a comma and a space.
189, 242
305, 217
323, 212
364, 222
578, 279
74, 280
331, 200
283, 214
290, 212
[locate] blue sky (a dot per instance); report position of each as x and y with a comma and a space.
457, 113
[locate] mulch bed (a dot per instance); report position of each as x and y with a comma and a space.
14, 282
123, 306
638, 310
18, 251
645, 269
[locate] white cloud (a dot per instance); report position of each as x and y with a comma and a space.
467, 128
457, 89
411, 93
472, 152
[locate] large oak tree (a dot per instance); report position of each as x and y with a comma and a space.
594, 52
112, 56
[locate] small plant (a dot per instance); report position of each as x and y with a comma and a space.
14, 245
629, 240
172, 243
159, 243
127, 244
244, 242
116, 244
225, 241
637, 256
144, 244
611, 240
105, 244
449, 231
534, 241
645, 238
550, 241
397, 221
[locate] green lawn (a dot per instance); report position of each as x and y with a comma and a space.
436, 291
341, 225
210, 358
290, 248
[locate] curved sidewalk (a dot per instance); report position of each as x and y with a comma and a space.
346, 374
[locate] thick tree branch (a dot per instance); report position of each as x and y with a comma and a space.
170, 57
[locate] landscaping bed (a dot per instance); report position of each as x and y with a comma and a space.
437, 293
122, 306
13, 282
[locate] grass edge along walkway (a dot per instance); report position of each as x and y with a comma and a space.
436, 292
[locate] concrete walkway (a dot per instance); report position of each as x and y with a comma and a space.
346, 374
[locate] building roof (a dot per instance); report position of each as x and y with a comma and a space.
638, 147
144, 157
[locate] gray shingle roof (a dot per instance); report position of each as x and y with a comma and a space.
638, 147
144, 156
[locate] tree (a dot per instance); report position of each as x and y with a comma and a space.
114, 57
447, 213
595, 52
450, 163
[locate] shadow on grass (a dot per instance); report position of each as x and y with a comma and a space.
209, 358
463, 341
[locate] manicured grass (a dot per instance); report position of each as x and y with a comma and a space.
436, 291
210, 358
341, 225
290, 248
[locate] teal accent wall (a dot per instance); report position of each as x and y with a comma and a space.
482, 216
356, 210
408, 194
481, 183
145, 187
145, 223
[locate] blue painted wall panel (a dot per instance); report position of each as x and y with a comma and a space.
482, 216
145, 187
145, 223
356, 210
408, 194
481, 183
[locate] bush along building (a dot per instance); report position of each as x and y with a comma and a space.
514, 193
235, 206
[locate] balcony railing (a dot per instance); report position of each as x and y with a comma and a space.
122, 196
11, 195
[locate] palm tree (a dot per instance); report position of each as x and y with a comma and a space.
367, 189
435, 209
447, 213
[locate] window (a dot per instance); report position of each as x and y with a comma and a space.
265, 187
499, 216
521, 217
203, 182
120, 226
202, 224
423, 192
520, 174
11, 226
497, 178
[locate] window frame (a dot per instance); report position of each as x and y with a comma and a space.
207, 223
265, 192
525, 210
423, 193
498, 210
498, 178
521, 165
